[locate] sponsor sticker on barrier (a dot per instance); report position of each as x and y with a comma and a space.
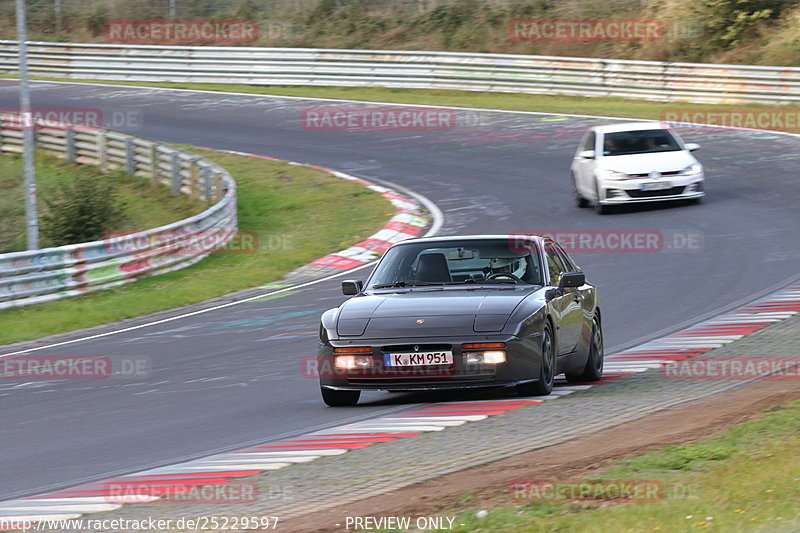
585, 30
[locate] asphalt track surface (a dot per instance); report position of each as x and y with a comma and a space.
227, 378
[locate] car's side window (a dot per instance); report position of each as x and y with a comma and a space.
569, 264
554, 264
589, 142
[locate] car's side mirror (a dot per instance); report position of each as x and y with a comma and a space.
351, 287
571, 279
692, 146
586, 154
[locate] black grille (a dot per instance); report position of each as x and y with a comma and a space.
655, 194
647, 174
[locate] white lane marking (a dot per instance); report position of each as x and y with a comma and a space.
44, 505
414, 420
224, 467
438, 419
254, 460
37, 517
399, 427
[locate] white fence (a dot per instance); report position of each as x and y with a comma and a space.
42, 275
652, 80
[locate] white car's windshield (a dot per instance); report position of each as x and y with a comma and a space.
456, 262
639, 142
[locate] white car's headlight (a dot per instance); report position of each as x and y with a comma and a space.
695, 168
613, 175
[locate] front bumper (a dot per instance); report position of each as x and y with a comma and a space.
522, 364
626, 191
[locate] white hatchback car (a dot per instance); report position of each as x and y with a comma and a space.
635, 162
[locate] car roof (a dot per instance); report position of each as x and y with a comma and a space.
449, 238
629, 126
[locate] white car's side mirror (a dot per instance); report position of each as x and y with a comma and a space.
692, 146
586, 154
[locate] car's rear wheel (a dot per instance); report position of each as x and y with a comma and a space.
580, 201
593, 370
547, 371
340, 398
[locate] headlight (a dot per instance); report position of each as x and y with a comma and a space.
613, 175
696, 168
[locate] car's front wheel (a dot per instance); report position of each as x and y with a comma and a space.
547, 370
593, 370
580, 201
600, 208
340, 398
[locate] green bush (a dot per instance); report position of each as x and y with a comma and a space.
727, 22
81, 210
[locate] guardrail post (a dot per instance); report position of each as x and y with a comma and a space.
102, 161
194, 184
153, 165
69, 140
207, 183
217, 184
130, 161
176, 174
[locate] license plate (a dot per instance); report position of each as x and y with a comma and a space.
418, 358
655, 185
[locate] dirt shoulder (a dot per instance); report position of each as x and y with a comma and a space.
576, 458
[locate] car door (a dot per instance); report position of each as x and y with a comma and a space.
585, 167
566, 305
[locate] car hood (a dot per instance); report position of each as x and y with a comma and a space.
441, 312
645, 163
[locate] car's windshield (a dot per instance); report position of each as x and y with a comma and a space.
457, 262
639, 142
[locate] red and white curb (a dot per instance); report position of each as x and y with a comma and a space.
407, 223
151, 485
707, 335
409, 220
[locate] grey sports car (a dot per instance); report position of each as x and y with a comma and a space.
459, 313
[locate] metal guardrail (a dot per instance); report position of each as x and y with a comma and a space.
652, 80
37, 276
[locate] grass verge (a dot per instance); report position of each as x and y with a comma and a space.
143, 206
742, 479
613, 107
296, 214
